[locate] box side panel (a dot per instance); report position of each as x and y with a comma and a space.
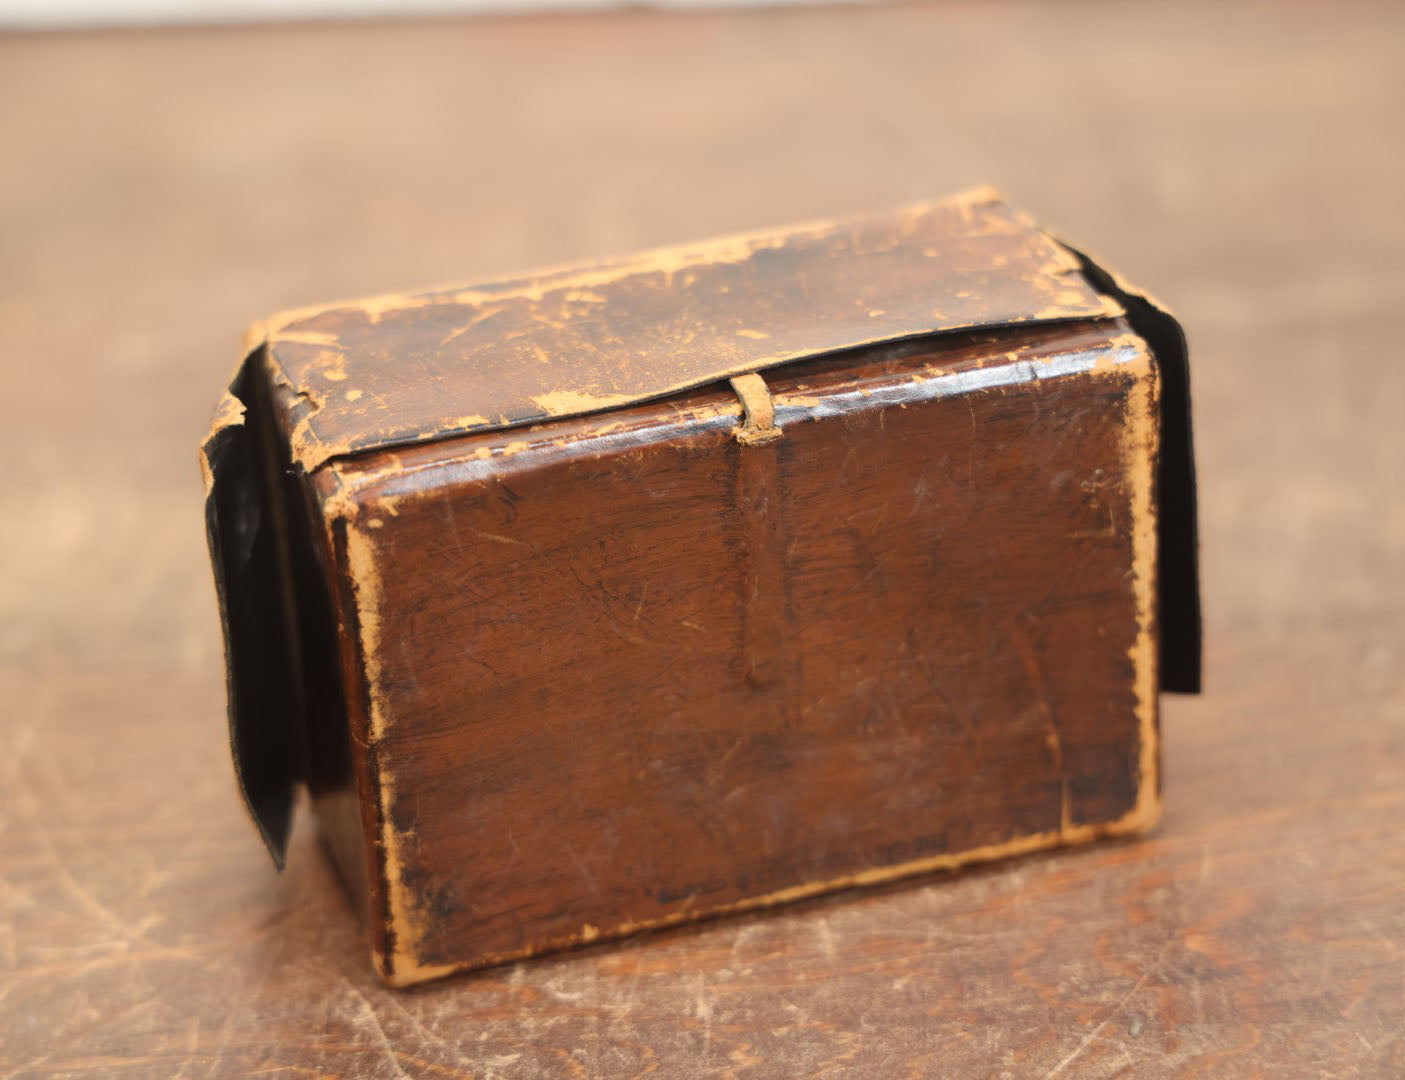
1178, 541
350, 807
242, 511
634, 673
276, 575
332, 773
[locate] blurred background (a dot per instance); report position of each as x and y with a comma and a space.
171, 171
112, 13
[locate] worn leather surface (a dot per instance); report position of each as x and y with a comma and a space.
404, 369
620, 672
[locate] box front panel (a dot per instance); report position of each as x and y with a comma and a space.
631, 675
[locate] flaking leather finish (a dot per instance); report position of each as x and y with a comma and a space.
398, 370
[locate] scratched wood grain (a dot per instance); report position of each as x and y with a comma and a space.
159, 188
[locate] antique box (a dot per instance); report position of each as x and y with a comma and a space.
619, 595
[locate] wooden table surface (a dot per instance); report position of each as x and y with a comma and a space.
159, 190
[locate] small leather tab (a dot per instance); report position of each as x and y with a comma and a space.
759, 423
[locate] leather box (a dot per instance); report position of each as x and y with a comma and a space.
615, 596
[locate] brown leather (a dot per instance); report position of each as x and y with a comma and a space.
396, 370
843, 465
618, 672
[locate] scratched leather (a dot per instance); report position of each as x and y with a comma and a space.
404, 369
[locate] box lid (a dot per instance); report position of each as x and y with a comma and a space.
401, 369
